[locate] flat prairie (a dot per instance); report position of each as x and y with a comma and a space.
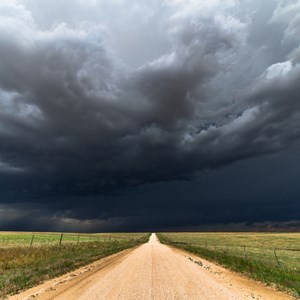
273, 258
26, 259
152, 271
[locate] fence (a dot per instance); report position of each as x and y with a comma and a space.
38, 239
279, 257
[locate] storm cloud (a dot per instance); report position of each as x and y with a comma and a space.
102, 99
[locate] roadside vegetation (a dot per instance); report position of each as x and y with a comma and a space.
24, 264
272, 258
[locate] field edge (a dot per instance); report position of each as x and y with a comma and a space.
280, 280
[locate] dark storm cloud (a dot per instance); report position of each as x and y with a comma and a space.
84, 114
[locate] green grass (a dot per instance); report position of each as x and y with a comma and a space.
22, 266
8, 239
248, 253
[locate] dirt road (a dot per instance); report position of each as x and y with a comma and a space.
152, 271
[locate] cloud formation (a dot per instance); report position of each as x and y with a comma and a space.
97, 96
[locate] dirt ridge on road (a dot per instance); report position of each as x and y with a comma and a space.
152, 271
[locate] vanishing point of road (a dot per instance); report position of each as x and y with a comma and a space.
152, 271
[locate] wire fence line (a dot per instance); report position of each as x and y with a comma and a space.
38, 239
280, 257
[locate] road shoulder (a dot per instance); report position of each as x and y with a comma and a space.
73, 277
232, 279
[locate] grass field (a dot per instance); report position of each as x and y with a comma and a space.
9, 239
273, 258
25, 263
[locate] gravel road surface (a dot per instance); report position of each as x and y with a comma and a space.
152, 271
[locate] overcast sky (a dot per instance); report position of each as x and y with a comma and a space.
149, 115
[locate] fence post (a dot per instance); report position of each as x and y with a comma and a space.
31, 241
245, 251
206, 245
278, 263
77, 239
61, 237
